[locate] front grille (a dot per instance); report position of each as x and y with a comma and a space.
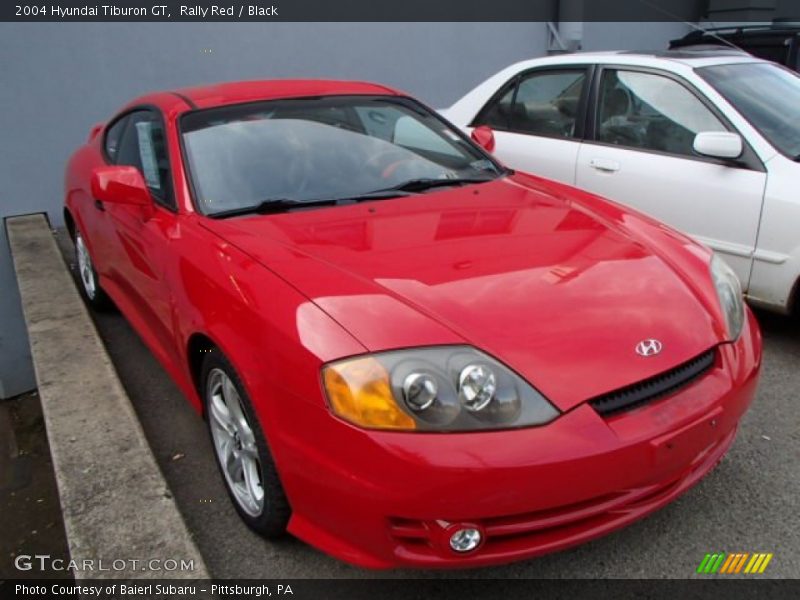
665, 383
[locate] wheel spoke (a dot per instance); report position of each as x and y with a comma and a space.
220, 415
253, 482
233, 464
232, 401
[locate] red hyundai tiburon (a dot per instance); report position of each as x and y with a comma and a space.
407, 354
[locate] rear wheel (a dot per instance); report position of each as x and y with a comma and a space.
89, 281
241, 450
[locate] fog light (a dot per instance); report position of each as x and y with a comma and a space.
465, 540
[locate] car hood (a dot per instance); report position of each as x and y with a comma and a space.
555, 288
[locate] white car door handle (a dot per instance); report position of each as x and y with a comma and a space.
605, 165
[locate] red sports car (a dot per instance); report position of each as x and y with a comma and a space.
407, 354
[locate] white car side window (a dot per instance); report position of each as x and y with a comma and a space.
542, 103
648, 111
411, 133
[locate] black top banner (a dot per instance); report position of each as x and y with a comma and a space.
397, 10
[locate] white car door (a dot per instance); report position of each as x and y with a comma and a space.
537, 121
639, 151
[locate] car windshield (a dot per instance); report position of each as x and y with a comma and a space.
766, 95
323, 149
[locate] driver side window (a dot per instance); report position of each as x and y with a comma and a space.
411, 134
542, 103
651, 112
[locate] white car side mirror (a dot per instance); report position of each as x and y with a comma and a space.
719, 144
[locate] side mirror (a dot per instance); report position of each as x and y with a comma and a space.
718, 144
120, 185
484, 137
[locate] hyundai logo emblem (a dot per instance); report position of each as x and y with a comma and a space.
648, 347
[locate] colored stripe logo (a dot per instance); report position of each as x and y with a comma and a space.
736, 562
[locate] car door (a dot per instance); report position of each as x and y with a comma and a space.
143, 237
639, 151
95, 217
538, 120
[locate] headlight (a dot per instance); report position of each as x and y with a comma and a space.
447, 388
729, 291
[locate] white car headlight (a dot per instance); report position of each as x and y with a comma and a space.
729, 291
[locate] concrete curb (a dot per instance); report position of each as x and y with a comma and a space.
116, 503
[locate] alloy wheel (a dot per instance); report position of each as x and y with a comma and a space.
85, 267
235, 443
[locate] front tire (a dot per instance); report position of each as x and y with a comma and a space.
241, 450
87, 276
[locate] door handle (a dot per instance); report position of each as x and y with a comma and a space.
99, 205
604, 164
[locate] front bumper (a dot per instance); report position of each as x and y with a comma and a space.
389, 499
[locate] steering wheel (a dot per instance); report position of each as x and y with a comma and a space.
620, 135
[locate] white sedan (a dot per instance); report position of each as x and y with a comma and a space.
706, 141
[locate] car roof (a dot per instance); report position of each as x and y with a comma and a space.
692, 58
239, 92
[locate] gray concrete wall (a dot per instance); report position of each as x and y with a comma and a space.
632, 36
57, 79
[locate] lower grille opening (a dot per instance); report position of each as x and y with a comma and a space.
665, 383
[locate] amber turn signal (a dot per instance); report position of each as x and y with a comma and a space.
359, 391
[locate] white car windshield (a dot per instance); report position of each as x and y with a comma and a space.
765, 94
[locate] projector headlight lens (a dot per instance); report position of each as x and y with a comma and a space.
477, 385
420, 390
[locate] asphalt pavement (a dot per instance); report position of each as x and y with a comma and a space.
749, 503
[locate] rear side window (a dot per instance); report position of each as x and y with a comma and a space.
497, 113
113, 136
542, 103
143, 145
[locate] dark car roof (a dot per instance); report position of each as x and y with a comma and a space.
777, 42
744, 32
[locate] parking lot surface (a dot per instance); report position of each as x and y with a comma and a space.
747, 504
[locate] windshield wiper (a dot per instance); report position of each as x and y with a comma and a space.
422, 184
266, 207
277, 205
